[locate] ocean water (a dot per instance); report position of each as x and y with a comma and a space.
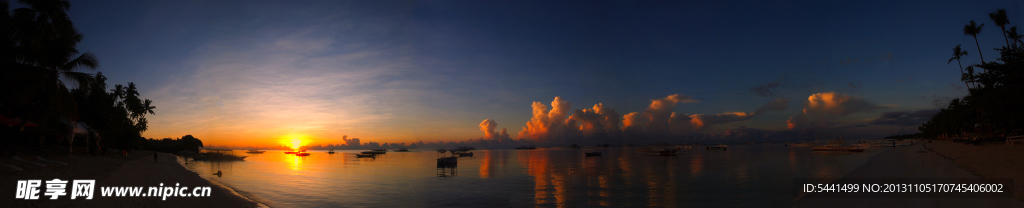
743, 175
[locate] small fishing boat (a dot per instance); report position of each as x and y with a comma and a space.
330, 152
402, 150
721, 146
667, 152
373, 152
252, 151
444, 160
593, 154
302, 154
367, 155
291, 152
840, 146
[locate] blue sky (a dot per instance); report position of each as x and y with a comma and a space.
403, 71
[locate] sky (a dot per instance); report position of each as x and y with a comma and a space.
262, 72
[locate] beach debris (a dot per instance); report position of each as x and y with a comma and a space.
29, 162
45, 160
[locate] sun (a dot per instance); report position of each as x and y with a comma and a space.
295, 141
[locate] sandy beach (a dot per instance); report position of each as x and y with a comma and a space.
932, 160
138, 169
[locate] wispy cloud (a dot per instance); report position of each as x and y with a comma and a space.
295, 83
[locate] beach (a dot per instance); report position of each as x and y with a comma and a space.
939, 159
137, 169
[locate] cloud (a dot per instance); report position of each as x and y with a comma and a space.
601, 124
767, 90
549, 125
487, 126
657, 117
904, 118
822, 109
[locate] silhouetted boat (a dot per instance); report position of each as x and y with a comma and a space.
402, 150
302, 154
375, 152
526, 147
255, 152
366, 155
840, 146
667, 152
380, 150
330, 152
593, 154
574, 146
291, 152
444, 160
216, 155
721, 146
462, 149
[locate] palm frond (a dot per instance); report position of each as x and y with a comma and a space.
80, 79
87, 60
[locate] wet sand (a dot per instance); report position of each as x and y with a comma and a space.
922, 160
138, 169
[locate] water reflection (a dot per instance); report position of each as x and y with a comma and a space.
549, 177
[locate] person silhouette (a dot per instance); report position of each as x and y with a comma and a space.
154, 157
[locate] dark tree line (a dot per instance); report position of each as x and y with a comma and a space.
994, 106
187, 142
42, 81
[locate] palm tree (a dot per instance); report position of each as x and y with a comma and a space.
973, 29
957, 54
1000, 18
45, 52
1012, 34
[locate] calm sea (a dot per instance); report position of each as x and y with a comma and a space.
743, 175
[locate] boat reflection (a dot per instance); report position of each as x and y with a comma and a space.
447, 170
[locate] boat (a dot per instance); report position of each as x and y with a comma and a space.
370, 152
252, 151
667, 152
291, 152
592, 154
464, 154
380, 150
526, 147
721, 146
402, 150
330, 152
462, 149
447, 160
216, 155
302, 154
444, 160
574, 146
367, 155
840, 146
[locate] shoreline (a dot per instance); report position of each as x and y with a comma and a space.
136, 170
921, 160
234, 191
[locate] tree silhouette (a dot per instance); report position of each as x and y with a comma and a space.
42, 43
973, 29
957, 54
1012, 34
1000, 18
